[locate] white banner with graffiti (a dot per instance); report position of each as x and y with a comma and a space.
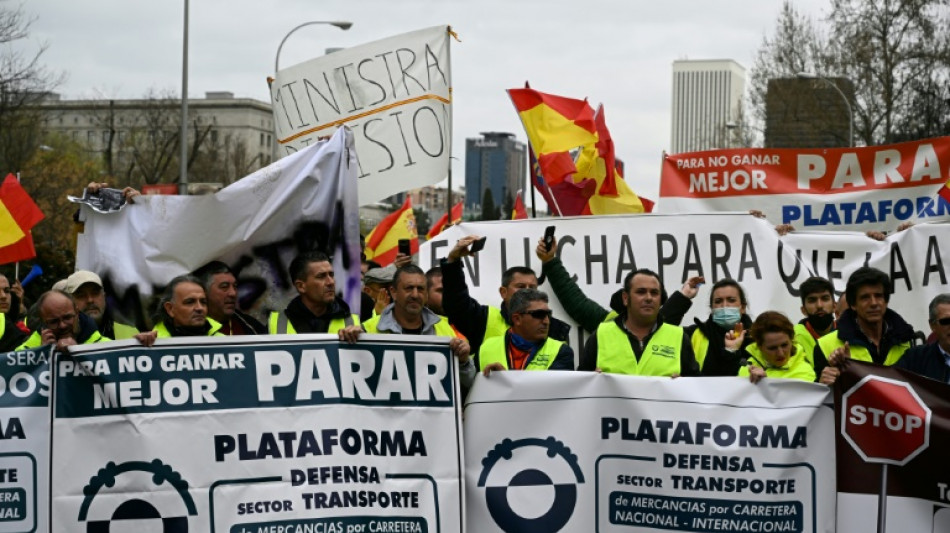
599, 251
255, 225
581, 452
396, 96
252, 434
24, 440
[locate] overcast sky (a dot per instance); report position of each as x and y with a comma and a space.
615, 52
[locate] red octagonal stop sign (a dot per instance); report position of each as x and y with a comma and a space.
885, 421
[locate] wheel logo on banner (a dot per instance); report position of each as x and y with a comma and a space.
535, 492
161, 510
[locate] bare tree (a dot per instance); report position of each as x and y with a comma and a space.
23, 81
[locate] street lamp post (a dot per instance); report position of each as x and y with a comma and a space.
183, 133
342, 24
813, 76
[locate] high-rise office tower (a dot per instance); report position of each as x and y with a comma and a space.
496, 162
706, 100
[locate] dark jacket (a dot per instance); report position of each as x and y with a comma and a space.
588, 313
12, 335
304, 321
243, 324
470, 317
926, 360
719, 361
896, 331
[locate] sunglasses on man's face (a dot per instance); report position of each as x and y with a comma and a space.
539, 314
945, 321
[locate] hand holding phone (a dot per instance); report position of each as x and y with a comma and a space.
548, 238
405, 247
478, 245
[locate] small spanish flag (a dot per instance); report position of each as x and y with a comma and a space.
382, 244
519, 212
457, 211
18, 215
944, 192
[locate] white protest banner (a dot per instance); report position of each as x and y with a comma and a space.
396, 95
255, 225
253, 434
24, 440
855, 189
893, 435
579, 452
601, 250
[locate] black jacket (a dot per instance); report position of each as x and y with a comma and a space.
718, 361
304, 321
470, 317
926, 360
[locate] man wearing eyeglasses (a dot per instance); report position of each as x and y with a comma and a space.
526, 345
638, 342
933, 360
62, 323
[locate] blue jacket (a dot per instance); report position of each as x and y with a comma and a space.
926, 360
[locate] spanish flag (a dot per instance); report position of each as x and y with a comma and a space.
519, 212
555, 126
437, 228
382, 243
597, 162
18, 215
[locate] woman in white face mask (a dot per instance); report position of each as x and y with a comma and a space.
718, 340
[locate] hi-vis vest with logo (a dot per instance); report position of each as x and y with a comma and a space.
442, 327
830, 342
278, 324
493, 351
495, 325
661, 357
213, 331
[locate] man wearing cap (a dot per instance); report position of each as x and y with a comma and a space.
376, 284
317, 308
86, 289
62, 323
221, 289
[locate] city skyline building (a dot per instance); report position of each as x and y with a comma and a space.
496, 162
706, 102
235, 135
805, 112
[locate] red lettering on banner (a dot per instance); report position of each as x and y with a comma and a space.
751, 172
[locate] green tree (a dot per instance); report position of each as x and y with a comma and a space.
489, 211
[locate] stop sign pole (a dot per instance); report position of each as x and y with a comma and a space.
886, 422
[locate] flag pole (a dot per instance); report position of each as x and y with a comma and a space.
448, 193
534, 213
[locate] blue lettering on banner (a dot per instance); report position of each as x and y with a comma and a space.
868, 212
703, 515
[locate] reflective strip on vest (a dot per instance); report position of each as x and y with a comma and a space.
830, 342
661, 356
493, 351
279, 324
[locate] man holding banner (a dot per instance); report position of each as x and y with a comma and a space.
638, 342
317, 308
526, 345
867, 331
930, 360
